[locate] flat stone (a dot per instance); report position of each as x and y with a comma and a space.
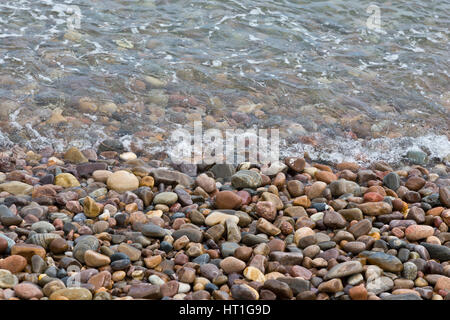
385, 261
28, 250
16, 188
121, 264
358, 293
295, 188
417, 232
354, 247
253, 239
210, 271
217, 217
154, 231
344, 269
246, 179
13, 263
439, 252
287, 258
52, 286
375, 208
167, 198
267, 210
27, 291
73, 293
170, 177
99, 280
111, 145
405, 296
193, 234
409, 271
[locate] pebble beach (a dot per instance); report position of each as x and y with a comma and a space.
98, 98
107, 224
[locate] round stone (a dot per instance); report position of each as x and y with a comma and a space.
417, 232
27, 291
74, 293
227, 200
232, 264
53, 286
122, 181
217, 217
13, 263
42, 227
120, 264
385, 261
154, 231
392, 181
58, 246
7, 279
409, 271
95, 259
167, 198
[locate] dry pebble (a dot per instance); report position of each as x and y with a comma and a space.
290, 230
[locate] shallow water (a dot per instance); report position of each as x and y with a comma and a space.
333, 85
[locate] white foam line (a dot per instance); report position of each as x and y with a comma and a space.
390, 150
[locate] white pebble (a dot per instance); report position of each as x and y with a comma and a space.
105, 215
154, 279
126, 156
184, 288
179, 296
